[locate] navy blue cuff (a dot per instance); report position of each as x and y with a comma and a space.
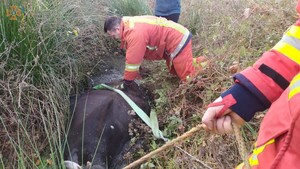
250, 87
247, 104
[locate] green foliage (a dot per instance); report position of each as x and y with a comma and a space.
153, 145
161, 99
147, 165
172, 126
129, 7
194, 21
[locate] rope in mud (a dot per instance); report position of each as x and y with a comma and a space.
241, 146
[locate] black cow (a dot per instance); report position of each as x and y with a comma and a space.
99, 127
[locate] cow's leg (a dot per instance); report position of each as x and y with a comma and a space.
97, 159
118, 161
74, 155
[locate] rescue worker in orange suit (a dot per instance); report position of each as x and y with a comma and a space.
272, 82
153, 38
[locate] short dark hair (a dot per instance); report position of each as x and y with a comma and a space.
111, 22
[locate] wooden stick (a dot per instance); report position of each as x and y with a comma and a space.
239, 138
164, 147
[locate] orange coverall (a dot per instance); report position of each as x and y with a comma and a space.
277, 144
155, 38
273, 82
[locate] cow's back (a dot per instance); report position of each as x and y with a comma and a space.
100, 122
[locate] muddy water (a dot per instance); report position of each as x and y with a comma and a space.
111, 69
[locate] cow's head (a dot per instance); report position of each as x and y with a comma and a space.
132, 90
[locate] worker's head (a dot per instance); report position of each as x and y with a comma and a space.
112, 26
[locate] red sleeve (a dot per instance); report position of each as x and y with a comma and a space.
271, 74
257, 87
135, 51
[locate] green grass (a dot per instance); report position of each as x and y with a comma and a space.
129, 7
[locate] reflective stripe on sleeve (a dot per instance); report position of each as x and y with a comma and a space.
253, 160
180, 45
293, 31
289, 51
294, 86
289, 45
132, 67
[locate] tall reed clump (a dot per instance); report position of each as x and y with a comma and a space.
38, 68
47, 48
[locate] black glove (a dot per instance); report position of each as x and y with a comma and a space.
126, 84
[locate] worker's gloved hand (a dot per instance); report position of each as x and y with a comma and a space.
218, 118
126, 84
